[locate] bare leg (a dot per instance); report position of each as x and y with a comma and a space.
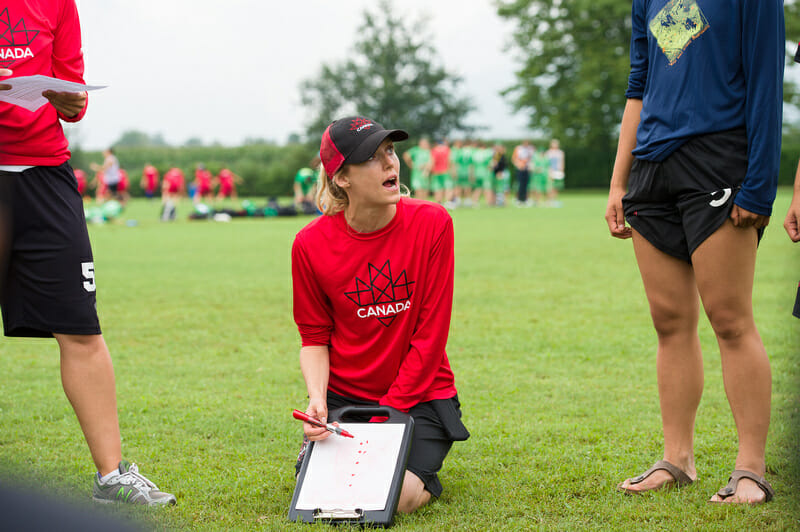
88, 379
725, 266
672, 294
413, 495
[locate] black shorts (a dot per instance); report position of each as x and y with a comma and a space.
676, 204
437, 424
47, 280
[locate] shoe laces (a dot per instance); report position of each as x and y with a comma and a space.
132, 477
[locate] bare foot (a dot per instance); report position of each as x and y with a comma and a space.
656, 480
747, 492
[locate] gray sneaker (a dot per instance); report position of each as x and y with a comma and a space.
130, 487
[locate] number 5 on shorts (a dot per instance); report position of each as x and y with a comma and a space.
88, 274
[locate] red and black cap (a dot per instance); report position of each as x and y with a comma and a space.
353, 140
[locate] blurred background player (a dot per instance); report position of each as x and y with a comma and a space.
227, 184
521, 159
555, 160
173, 188
98, 184
203, 185
418, 159
123, 189
482, 167
502, 177
111, 175
149, 182
304, 189
80, 177
540, 180
441, 179
461, 159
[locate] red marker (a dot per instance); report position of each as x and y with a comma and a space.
302, 416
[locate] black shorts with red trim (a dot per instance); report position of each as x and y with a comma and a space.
677, 203
47, 282
437, 424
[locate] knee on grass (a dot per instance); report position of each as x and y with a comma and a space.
413, 495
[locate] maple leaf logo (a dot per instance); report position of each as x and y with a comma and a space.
360, 124
17, 35
383, 296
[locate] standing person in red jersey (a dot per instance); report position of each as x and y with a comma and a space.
48, 281
123, 187
100, 188
203, 184
149, 182
373, 293
173, 188
80, 178
441, 180
227, 184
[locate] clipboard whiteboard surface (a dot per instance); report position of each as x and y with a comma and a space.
351, 473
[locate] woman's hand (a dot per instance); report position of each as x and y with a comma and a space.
744, 218
68, 104
615, 216
792, 221
5, 72
318, 409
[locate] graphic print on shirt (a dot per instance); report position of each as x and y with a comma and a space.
15, 39
676, 26
383, 296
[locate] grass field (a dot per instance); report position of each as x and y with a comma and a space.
551, 344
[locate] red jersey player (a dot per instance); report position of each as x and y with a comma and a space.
227, 184
123, 186
173, 188
80, 177
174, 185
149, 181
202, 182
373, 292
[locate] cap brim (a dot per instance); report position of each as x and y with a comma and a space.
370, 144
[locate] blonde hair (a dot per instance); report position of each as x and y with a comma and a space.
330, 197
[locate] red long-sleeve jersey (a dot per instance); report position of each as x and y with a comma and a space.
381, 302
40, 37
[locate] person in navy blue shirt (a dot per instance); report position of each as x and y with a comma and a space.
695, 178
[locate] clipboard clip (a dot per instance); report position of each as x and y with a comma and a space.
337, 514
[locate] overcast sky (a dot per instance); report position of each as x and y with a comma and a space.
230, 69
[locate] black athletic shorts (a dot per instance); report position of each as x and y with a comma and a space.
676, 204
47, 280
437, 424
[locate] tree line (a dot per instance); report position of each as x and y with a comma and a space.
573, 60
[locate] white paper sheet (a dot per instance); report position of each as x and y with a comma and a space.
350, 473
26, 91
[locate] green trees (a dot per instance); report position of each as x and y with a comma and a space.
574, 57
393, 76
574, 64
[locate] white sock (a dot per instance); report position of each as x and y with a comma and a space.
108, 477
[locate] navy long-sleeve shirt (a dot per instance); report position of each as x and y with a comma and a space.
702, 66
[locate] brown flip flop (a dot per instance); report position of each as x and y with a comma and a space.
733, 483
680, 478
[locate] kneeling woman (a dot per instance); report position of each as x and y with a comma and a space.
373, 293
